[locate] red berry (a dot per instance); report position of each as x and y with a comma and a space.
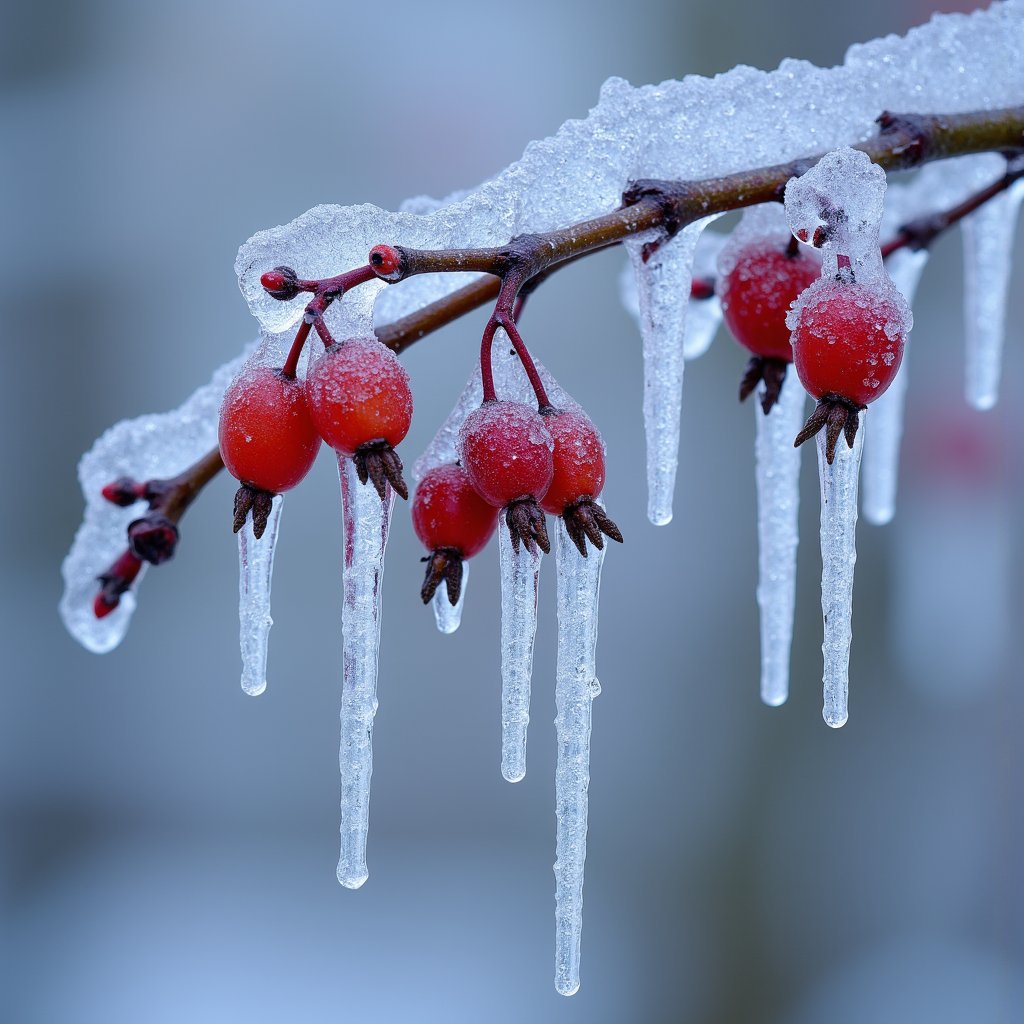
848, 342
507, 452
578, 460
758, 290
448, 513
358, 392
281, 283
267, 438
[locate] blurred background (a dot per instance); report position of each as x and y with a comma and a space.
168, 845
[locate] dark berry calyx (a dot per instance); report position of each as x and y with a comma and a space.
444, 564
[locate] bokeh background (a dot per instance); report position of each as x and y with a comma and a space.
168, 845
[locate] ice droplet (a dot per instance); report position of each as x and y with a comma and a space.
448, 616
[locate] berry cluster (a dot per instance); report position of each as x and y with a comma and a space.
356, 398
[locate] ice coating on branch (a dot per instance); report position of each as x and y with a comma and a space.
882, 453
576, 685
778, 506
988, 236
838, 558
366, 522
448, 616
693, 128
663, 276
147, 447
255, 569
520, 574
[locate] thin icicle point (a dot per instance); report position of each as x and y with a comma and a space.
663, 292
838, 558
448, 616
520, 573
988, 242
576, 685
882, 454
778, 505
255, 569
367, 519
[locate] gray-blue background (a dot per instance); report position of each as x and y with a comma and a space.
168, 845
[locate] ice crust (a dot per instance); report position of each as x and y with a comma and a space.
576, 686
157, 445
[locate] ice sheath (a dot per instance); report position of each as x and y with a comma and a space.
366, 522
255, 569
838, 558
520, 571
576, 685
778, 507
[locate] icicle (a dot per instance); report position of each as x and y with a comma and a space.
366, 521
882, 454
778, 505
576, 685
520, 572
255, 569
988, 235
838, 557
663, 289
448, 616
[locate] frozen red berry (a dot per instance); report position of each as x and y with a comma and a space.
453, 522
359, 397
507, 451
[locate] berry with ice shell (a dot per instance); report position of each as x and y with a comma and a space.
453, 522
578, 480
267, 439
359, 397
281, 283
847, 347
767, 276
507, 449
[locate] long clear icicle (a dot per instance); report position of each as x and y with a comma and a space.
988, 235
576, 685
366, 521
778, 505
882, 454
838, 558
663, 290
255, 569
520, 572
448, 616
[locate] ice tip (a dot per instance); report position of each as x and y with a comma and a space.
835, 719
352, 881
774, 700
660, 517
565, 987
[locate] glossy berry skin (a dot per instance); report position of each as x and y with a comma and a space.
267, 437
758, 291
447, 513
848, 342
506, 449
358, 392
578, 460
